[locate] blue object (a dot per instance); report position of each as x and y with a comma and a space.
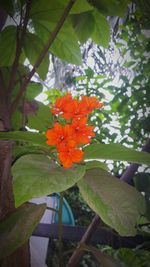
67, 215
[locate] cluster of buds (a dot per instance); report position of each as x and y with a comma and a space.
69, 138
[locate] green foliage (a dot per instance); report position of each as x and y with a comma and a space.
33, 90
7, 40
101, 257
16, 229
84, 25
111, 7
95, 164
101, 33
65, 45
128, 257
33, 46
38, 175
42, 119
120, 211
116, 152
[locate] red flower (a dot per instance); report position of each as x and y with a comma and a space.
90, 103
82, 131
59, 135
74, 109
69, 155
58, 107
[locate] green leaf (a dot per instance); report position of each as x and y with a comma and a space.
120, 210
42, 119
7, 46
142, 182
16, 120
116, 152
30, 137
33, 47
65, 46
111, 7
96, 164
33, 90
83, 25
37, 175
101, 33
46, 10
80, 6
16, 229
104, 259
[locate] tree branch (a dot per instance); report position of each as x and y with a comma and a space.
43, 53
127, 176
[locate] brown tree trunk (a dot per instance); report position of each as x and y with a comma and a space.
21, 257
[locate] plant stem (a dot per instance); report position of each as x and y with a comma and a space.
60, 227
43, 54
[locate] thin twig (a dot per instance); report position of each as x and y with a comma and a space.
43, 54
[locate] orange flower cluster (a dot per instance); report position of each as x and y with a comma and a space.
76, 131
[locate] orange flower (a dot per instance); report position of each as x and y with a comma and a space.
59, 135
82, 132
91, 103
70, 155
58, 107
74, 109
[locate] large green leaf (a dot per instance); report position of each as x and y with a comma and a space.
37, 175
118, 204
46, 10
116, 152
83, 25
42, 119
33, 90
51, 11
33, 47
7, 46
80, 6
101, 33
29, 137
16, 229
111, 7
65, 45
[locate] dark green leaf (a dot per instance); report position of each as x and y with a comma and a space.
110, 7
30, 137
33, 47
37, 175
16, 120
80, 6
33, 90
83, 25
42, 119
7, 46
16, 229
116, 152
96, 164
65, 46
46, 10
142, 182
120, 210
101, 33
